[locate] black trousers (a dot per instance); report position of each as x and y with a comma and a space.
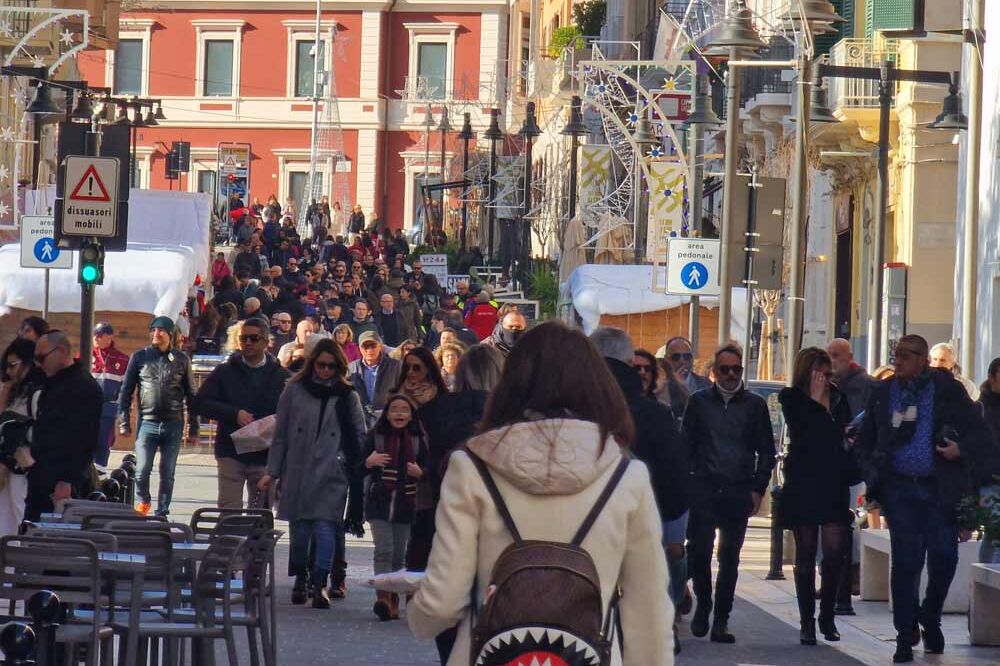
728, 511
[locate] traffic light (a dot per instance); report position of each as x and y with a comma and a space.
91, 263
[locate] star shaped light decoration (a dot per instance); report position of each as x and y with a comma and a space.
66, 37
4, 209
6, 134
670, 84
4, 172
38, 61
20, 97
656, 152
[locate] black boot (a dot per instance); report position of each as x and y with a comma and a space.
299, 590
338, 586
805, 595
720, 631
933, 639
320, 599
904, 650
828, 599
828, 627
699, 621
807, 632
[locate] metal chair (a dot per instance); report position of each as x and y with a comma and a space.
179, 532
204, 520
213, 604
96, 521
69, 568
75, 510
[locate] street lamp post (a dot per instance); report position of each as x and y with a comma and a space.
643, 138
494, 135
428, 124
574, 129
466, 135
887, 76
529, 131
444, 127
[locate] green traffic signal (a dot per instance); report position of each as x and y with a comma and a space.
89, 273
91, 264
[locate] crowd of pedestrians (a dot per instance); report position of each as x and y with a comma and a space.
488, 454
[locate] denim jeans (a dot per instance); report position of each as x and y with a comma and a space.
165, 436
673, 533
919, 529
322, 534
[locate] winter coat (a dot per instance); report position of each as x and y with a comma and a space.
66, 427
164, 383
819, 471
108, 368
380, 502
311, 454
449, 419
990, 403
952, 407
482, 320
410, 312
550, 473
220, 269
386, 379
732, 444
229, 389
657, 443
856, 386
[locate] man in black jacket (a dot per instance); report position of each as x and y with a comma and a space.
661, 447
920, 446
66, 429
242, 390
163, 376
732, 455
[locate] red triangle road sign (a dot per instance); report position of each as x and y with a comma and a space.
90, 187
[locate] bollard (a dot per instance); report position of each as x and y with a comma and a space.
44, 609
129, 457
97, 496
112, 489
777, 536
17, 640
122, 477
129, 467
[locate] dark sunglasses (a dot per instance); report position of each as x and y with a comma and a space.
642, 367
325, 366
678, 357
729, 369
251, 338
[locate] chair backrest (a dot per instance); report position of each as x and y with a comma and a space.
204, 520
242, 525
67, 567
76, 510
100, 520
159, 552
105, 543
260, 554
179, 532
225, 556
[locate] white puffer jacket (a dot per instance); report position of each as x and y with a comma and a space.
550, 474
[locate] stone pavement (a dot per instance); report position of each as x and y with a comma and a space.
764, 620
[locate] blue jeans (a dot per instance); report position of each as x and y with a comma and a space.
919, 528
674, 532
323, 534
165, 436
105, 440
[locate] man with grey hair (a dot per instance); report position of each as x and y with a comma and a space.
943, 357
66, 428
661, 447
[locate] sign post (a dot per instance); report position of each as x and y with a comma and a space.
693, 267
39, 250
91, 207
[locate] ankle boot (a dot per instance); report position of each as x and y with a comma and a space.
393, 606
828, 627
383, 606
320, 597
904, 650
807, 632
699, 621
720, 631
299, 590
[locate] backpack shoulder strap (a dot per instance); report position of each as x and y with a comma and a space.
491, 486
605, 495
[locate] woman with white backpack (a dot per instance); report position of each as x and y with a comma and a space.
548, 535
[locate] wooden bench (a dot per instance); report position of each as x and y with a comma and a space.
984, 614
876, 563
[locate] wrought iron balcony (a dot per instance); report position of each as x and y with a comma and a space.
855, 93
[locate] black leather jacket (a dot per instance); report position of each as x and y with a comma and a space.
164, 382
732, 444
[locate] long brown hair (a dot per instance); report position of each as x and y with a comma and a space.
556, 372
324, 346
805, 362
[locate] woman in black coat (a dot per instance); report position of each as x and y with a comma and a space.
818, 474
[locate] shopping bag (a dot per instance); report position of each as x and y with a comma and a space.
255, 436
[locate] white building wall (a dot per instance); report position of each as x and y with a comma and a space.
371, 63
367, 158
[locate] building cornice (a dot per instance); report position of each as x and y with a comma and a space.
451, 6
219, 24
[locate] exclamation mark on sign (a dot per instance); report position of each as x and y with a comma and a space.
90, 186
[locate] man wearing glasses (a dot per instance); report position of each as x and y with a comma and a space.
242, 390
732, 454
921, 440
678, 352
281, 333
69, 417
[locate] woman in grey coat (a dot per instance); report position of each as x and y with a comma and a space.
318, 435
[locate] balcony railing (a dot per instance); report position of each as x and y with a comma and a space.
857, 93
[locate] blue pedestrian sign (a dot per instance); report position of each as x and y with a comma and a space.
38, 245
693, 266
46, 251
694, 275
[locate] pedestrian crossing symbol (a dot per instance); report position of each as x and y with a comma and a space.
46, 250
693, 266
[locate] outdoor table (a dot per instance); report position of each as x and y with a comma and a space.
133, 566
55, 526
190, 551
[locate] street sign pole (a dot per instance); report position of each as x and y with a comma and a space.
87, 290
45, 303
750, 247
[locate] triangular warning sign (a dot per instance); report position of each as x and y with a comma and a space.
90, 187
230, 161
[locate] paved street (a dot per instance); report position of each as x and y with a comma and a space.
764, 620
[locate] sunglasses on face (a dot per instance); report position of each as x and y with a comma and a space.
251, 338
642, 367
682, 357
730, 369
320, 365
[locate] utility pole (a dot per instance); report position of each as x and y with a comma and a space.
696, 151
970, 242
314, 137
728, 183
800, 206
